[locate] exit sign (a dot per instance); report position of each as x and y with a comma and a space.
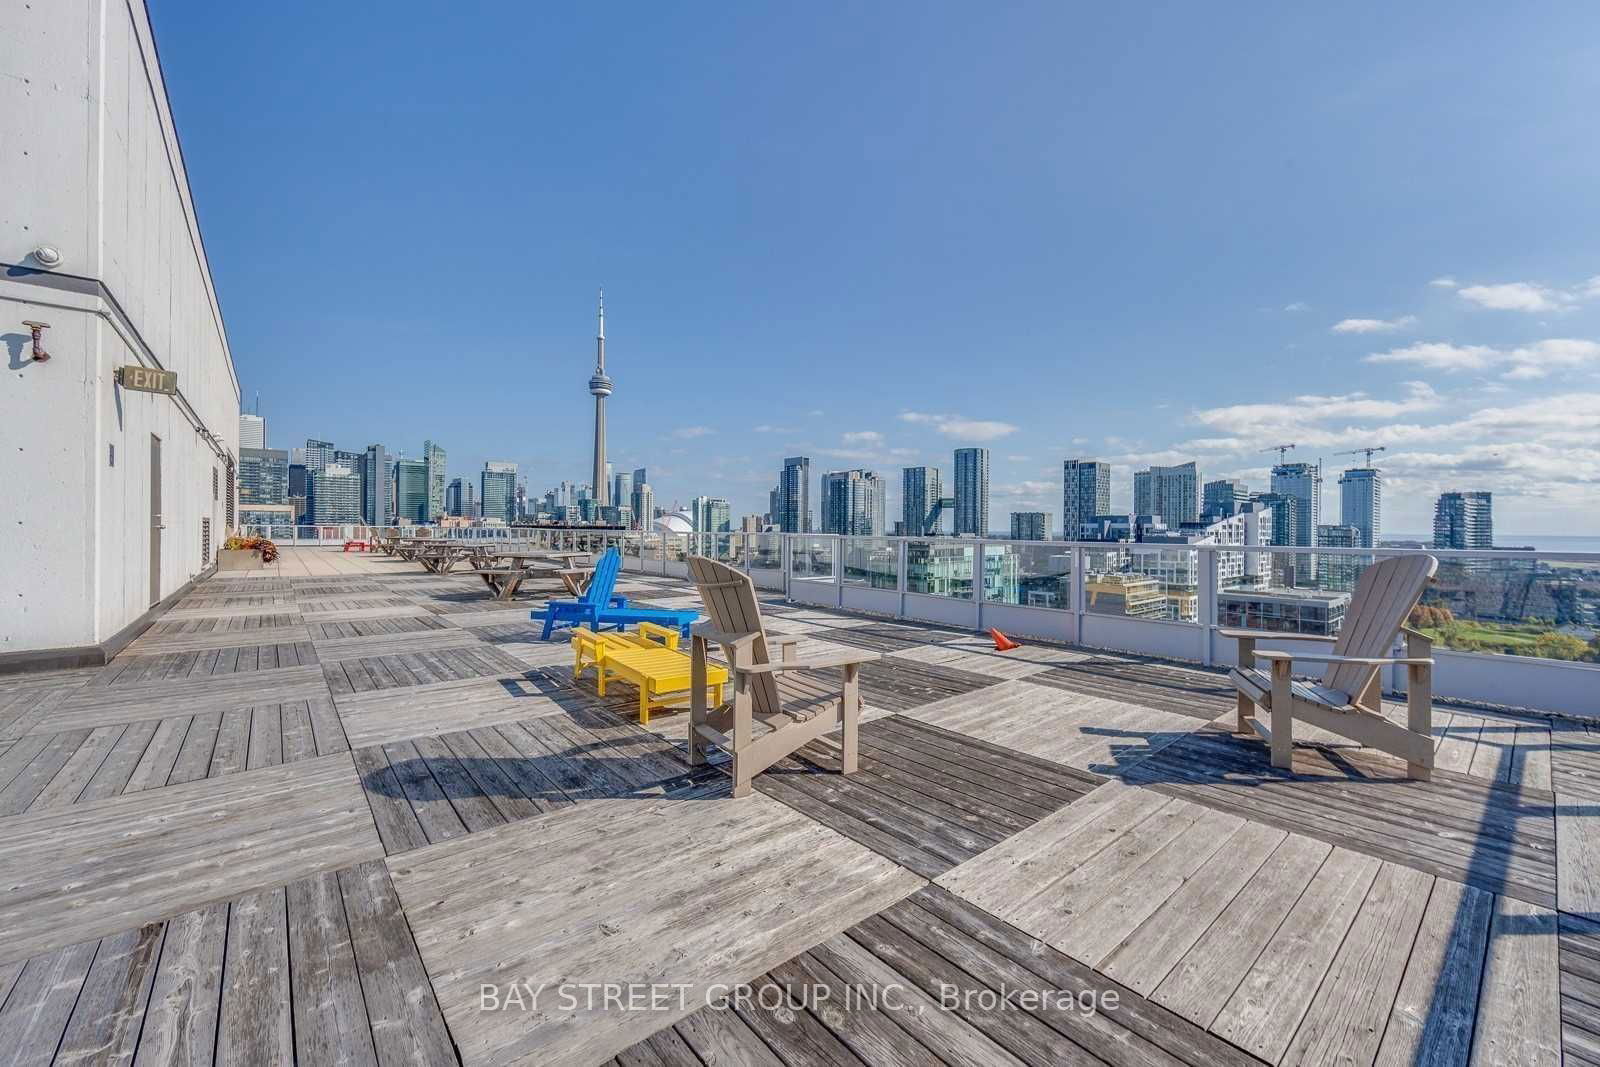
148, 379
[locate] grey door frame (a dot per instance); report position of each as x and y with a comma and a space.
156, 524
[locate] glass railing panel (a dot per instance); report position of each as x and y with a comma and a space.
940, 568
811, 558
1141, 582
676, 547
1511, 605
1034, 574
871, 561
1286, 591
766, 551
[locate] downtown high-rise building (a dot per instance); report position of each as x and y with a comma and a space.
460, 500
411, 491
1085, 493
1030, 526
972, 492
794, 496
335, 495
644, 503
1361, 503
1221, 499
318, 454
921, 489
252, 431
1300, 487
497, 490
852, 503
263, 476
1339, 573
711, 514
434, 457
377, 480
1464, 520
1173, 493
622, 490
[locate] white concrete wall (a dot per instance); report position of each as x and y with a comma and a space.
93, 167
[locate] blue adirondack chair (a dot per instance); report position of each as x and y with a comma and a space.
599, 609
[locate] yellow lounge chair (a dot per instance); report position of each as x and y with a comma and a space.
588, 647
655, 667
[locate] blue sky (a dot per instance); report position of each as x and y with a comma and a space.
875, 233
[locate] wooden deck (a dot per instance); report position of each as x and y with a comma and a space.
348, 811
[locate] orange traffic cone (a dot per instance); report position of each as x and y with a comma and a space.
1002, 643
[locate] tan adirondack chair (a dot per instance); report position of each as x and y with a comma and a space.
1348, 700
775, 708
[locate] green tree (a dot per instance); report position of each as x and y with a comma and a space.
1559, 646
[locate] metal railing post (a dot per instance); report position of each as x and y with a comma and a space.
785, 553
900, 571
1079, 602
1206, 616
838, 570
977, 584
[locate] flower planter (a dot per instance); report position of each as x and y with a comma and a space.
239, 559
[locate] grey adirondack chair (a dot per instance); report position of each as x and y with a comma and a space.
1348, 699
776, 707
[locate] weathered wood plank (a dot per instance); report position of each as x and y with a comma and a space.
1148, 954
407, 1025
180, 1025
1274, 995
257, 1024
110, 1012
330, 1016
1519, 1002
1205, 978
35, 1015
1346, 1018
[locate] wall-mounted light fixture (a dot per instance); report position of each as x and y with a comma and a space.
38, 328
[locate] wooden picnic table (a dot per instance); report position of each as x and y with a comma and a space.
438, 559
408, 548
504, 570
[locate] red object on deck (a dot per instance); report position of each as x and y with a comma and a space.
359, 546
1002, 643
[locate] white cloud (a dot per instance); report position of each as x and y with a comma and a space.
863, 437
960, 427
1298, 305
1531, 296
1246, 419
1444, 283
1438, 355
1523, 362
1514, 296
976, 429
1026, 489
1374, 325
690, 432
766, 428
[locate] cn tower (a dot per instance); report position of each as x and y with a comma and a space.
600, 386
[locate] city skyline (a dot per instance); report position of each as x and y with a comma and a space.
1189, 494
1248, 283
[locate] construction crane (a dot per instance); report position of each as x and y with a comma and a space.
1281, 450
1368, 452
